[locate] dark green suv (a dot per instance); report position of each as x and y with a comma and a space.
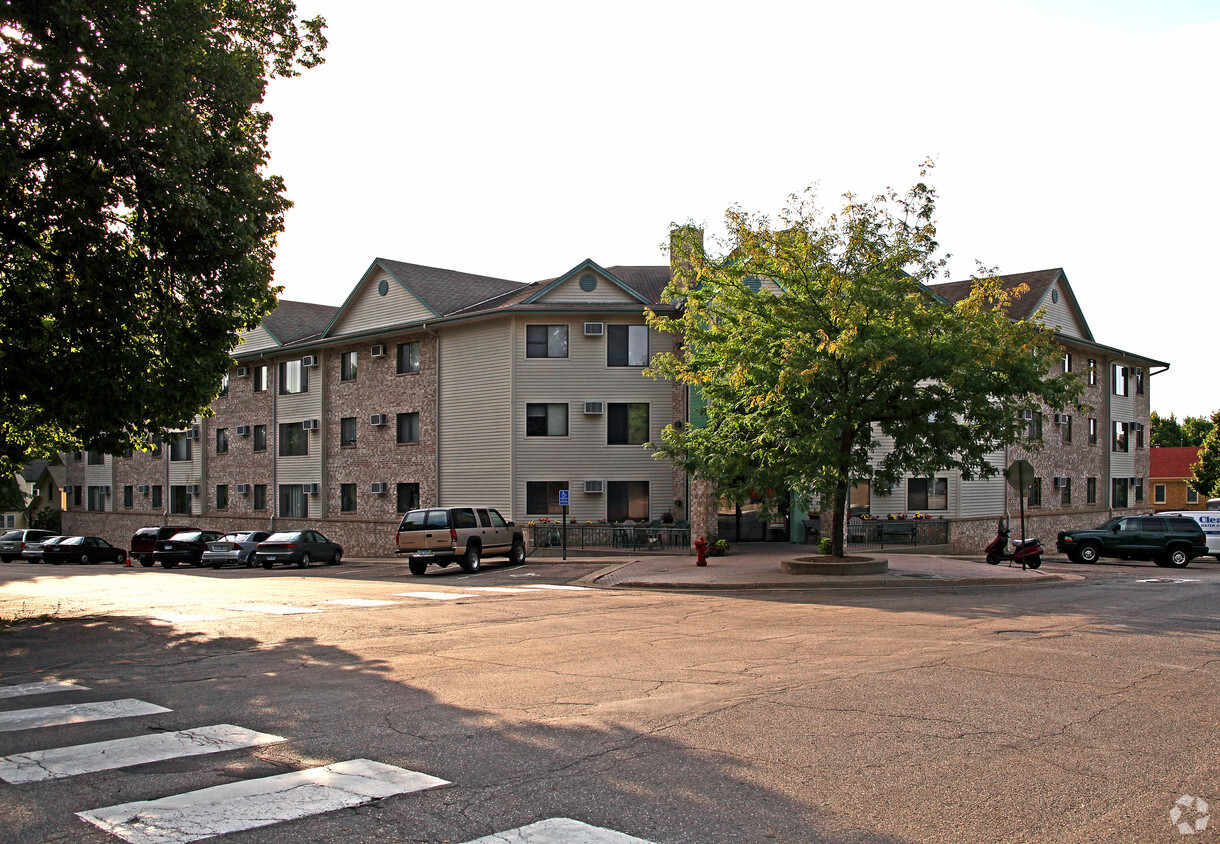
1171, 541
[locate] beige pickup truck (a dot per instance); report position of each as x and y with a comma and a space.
464, 535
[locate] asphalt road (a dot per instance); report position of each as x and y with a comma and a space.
1077, 712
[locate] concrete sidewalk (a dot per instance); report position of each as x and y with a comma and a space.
758, 567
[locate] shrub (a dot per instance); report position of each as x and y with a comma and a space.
826, 545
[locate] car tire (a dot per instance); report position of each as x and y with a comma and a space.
148, 563
472, 560
7, 559
268, 565
1088, 553
120, 558
304, 561
516, 554
417, 567
169, 564
337, 559
83, 561
1177, 558
215, 565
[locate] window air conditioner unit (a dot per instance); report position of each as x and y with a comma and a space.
594, 408
595, 487
243, 372
1061, 418
309, 360
243, 489
106, 489
1060, 483
595, 329
313, 489
377, 419
68, 489
310, 424
142, 489
243, 430
193, 489
379, 488
377, 351
192, 434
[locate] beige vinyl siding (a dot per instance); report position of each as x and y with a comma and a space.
1059, 315
984, 497
258, 340
103, 476
584, 454
606, 291
306, 469
473, 426
1122, 409
370, 311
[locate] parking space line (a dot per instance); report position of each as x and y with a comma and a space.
559, 831
360, 602
433, 596
40, 688
75, 713
272, 609
556, 586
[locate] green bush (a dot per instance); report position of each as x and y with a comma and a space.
826, 545
719, 548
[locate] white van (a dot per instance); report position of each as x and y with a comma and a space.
1209, 520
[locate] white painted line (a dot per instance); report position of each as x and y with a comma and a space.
559, 831
185, 618
40, 688
512, 589
75, 713
272, 609
551, 586
61, 762
254, 803
360, 602
433, 596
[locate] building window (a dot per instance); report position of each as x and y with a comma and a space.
542, 497
1091, 491
293, 503
156, 497
626, 345
222, 496
347, 431
294, 442
1035, 426
294, 377
1139, 380
96, 458
546, 420
1139, 490
347, 366
408, 357
1065, 491
97, 498
260, 496
1092, 372
1192, 495
222, 440
627, 500
260, 437
1118, 493
927, 494
180, 450
1067, 361
408, 497
1119, 441
546, 341
1118, 381
129, 497
1092, 432
224, 386
1158, 494
155, 441
1139, 435
179, 501
1067, 428
347, 498
408, 427
1035, 494
626, 424
77, 493
260, 378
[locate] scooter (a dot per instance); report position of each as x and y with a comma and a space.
1027, 552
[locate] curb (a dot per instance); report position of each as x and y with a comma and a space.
826, 582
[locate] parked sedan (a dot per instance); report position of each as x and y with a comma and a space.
83, 550
14, 542
185, 547
236, 548
297, 546
33, 550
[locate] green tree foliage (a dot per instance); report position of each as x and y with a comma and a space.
1169, 433
1206, 481
812, 340
139, 225
11, 496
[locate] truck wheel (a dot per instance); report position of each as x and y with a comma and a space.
516, 556
417, 567
1177, 558
472, 559
1087, 553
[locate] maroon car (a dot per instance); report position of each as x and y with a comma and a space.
145, 540
184, 547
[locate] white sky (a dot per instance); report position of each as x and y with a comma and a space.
517, 139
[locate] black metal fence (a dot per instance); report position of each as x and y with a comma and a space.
637, 538
909, 532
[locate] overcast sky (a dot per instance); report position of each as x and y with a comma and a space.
517, 139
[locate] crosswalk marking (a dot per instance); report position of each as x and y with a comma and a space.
360, 602
559, 831
73, 713
254, 803
40, 688
433, 596
61, 762
272, 609
179, 618
505, 589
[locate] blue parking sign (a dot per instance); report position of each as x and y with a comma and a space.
563, 498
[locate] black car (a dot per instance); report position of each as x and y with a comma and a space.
297, 546
185, 547
1171, 541
83, 550
144, 541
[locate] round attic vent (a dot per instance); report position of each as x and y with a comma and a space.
588, 282
383, 287
1055, 296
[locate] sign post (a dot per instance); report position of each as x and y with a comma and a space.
1020, 475
563, 502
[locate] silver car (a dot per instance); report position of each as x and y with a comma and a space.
13, 543
234, 548
33, 550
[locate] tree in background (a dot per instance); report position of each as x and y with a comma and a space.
139, 225
1206, 481
1169, 433
811, 341
11, 496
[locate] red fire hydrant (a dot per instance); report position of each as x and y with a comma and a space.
701, 551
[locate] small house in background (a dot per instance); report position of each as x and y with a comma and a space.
1169, 473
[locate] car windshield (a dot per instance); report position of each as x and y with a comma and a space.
187, 536
1109, 523
10, 536
283, 537
420, 519
72, 540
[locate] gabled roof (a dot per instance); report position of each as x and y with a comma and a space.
1039, 281
584, 266
447, 291
295, 322
33, 470
1172, 462
648, 282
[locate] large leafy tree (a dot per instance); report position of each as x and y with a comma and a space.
813, 340
1206, 481
1192, 430
137, 222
